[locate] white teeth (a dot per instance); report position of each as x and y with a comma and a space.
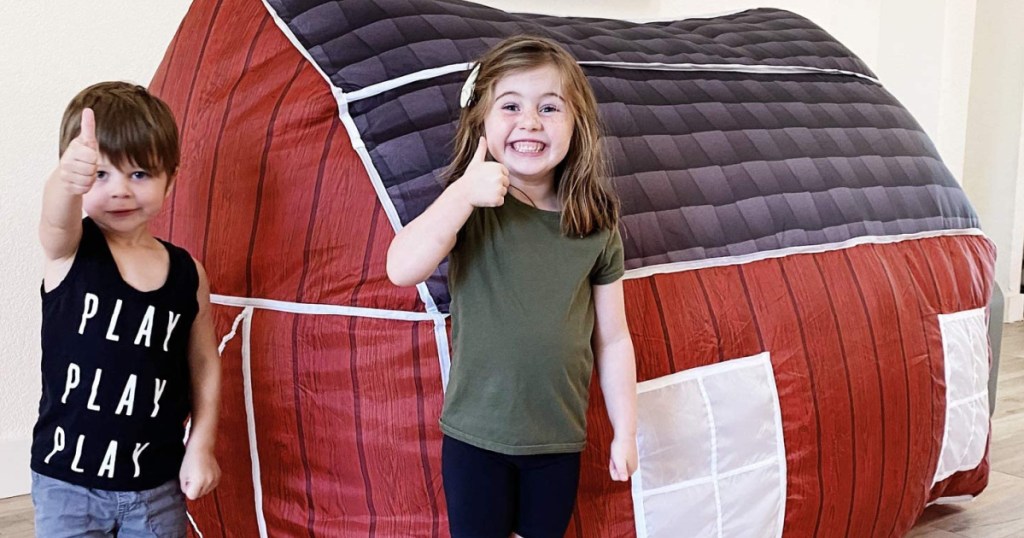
528, 147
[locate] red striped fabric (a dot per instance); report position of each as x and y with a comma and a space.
274, 201
269, 176
855, 345
346, 411
230, 510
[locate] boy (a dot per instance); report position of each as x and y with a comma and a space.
127, 335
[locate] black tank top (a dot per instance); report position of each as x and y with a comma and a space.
115, 372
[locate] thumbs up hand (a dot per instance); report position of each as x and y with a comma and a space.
78, 165
485, 183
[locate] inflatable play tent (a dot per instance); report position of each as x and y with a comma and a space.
806, 285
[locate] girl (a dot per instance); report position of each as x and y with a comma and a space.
535, 278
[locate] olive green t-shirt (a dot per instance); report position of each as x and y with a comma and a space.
522, 316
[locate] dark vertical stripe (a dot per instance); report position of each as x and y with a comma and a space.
933, 279
325, 155
578, 525
849, 394
952, 264
170, 60
664, 323
353, 368
300, 297
711, 314
906, 378
248, 266
881, 391
750, 305
220, 135
183, 125
940, 304
296, 392
421, 424
353, 365
932, 456
220, 514
263, 176
368, 252
814, 393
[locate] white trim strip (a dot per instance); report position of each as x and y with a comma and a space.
341, 100
321, 309
759, 69
977, 313
220, 351
979, 396
780, 444
639, 512
357, 143
713, 430
642, 20
195, 527
679, 267
706, 479
390, 84
443, 355
250, 419
283, 26
701, 372
957, 316
234, 327
378, 184
440, 328
709, 15
364, 155
952, 500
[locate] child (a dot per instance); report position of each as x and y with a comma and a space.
535, 276
127, 335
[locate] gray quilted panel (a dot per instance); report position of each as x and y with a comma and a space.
707, 163
359, 43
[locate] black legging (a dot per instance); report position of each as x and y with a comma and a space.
490, 495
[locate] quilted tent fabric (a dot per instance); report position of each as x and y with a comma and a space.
778, 203
709, 163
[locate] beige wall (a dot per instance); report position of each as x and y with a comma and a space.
993, 171
920, 49
51, 50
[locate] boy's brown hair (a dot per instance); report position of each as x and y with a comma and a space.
587, 202
133, 127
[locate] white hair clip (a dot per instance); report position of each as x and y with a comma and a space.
466, 97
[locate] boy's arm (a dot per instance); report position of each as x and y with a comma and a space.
419, 247
199, 470
60, 225
616, 366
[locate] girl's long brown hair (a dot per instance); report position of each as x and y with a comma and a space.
588, 204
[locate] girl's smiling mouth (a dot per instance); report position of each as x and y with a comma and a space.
528, 147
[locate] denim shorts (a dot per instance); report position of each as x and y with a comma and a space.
65, 510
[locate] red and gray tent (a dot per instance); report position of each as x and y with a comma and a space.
806, 285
